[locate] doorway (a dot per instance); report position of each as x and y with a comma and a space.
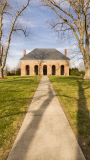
36, 70
53, 70
62, 70
44, 70
27, 70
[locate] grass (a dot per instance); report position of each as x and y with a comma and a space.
16, 93
74, 96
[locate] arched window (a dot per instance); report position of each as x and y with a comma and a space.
62, 70
44, 70
27, 70
36, 69
53, 69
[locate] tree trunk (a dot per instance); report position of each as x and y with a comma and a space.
1, 72
87, 70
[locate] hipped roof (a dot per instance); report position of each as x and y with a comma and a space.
45, 54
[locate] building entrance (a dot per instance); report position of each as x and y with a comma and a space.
44, 70
53, 70
36, 70
62, 70
27, 70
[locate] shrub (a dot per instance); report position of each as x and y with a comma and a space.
74, 71
18, 71
10, 74
82, 72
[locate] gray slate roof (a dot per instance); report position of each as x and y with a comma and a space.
45, 54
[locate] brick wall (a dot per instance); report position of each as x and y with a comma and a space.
40, 64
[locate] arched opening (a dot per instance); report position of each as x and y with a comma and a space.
27, 70
44, 70
62, 70
36, 70
53, 70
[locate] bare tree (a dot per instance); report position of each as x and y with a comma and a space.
74, 16
9, 9
6, 69
18, 65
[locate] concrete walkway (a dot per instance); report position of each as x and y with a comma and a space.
45, 133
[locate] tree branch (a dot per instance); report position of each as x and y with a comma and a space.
53, 3
9, 38
88, 1
24, 31
74, 30
1, 19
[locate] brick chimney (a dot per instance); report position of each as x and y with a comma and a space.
66, 52
24, 52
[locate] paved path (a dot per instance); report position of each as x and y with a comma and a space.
45, 133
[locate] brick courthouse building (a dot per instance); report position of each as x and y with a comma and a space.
44, 62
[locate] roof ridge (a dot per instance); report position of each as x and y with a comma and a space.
45, 48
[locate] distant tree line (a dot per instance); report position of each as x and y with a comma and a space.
13, 73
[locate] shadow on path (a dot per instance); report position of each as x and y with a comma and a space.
21, 146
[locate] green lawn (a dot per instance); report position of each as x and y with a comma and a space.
74, 96
16, 93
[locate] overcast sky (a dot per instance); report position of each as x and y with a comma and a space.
42, 36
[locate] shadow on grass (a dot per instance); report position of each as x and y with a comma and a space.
83, 124
83, 115
27, 77
14, 99
17, 79
9, 115
83, 121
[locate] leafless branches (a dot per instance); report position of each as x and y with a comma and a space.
73, 16
8, 9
